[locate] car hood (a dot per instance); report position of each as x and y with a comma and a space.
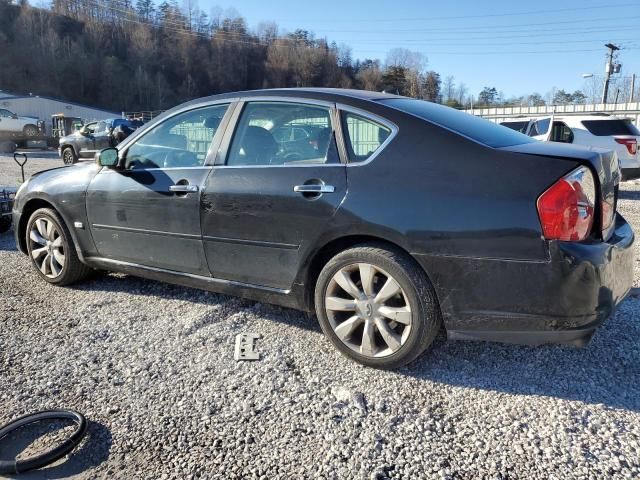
79, 170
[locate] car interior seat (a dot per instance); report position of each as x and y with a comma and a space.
258, 145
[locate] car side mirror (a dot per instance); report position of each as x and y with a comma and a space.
14, 116
108, 158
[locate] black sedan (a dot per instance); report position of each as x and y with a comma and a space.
404, 217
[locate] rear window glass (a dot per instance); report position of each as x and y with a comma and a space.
613, 126
476, 128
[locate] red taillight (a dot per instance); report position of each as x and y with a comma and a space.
630, 143
566, 209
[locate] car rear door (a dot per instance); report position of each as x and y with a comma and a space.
148, 212
269, 199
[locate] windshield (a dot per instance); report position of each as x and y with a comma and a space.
476, 128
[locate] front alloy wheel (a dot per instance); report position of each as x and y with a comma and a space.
47, 248
51, 248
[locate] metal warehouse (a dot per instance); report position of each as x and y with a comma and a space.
44, 107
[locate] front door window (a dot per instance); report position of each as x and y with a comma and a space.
181, 141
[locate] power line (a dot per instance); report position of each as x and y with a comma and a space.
214, 37
492, 15
492, 27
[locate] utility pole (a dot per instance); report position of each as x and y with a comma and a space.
607, 74
633, 86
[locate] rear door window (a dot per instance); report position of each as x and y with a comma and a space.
283, 133
363, 136
611, 126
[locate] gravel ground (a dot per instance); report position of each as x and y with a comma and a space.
151, 365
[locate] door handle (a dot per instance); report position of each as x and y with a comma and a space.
314, 188
183, 188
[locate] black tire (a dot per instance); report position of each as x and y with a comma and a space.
7, 147
30, 130
5, 223
69, 156
426, 319
73, 270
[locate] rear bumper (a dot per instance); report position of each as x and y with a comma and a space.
562, 300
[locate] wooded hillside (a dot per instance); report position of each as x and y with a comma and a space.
122, 56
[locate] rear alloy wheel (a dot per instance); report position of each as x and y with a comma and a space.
377, 306
51, 249
69, 156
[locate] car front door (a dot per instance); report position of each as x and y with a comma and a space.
268, 200
84, 142
147, 212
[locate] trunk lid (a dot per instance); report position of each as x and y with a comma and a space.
603, 163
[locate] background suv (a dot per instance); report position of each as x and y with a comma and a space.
596, 130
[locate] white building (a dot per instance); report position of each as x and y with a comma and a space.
44, 107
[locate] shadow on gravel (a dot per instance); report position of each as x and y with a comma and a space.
93, 450
607, 371
118, 282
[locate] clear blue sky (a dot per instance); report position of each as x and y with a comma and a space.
517, 47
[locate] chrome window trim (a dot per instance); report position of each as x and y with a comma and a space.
374, 118
113, 170
314, 165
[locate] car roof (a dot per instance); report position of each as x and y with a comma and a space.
327, 94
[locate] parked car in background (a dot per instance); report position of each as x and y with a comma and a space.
595, 130
410, 217
93, 137
12, 123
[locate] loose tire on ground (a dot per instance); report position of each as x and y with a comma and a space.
46, 229
413, 304
69, 156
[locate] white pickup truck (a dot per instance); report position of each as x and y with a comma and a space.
12, 123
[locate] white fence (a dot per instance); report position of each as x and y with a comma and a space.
499, 114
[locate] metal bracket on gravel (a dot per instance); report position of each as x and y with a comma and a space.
18, 466
246, 347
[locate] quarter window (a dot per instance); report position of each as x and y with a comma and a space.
180, 141
279, 133
364, 136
